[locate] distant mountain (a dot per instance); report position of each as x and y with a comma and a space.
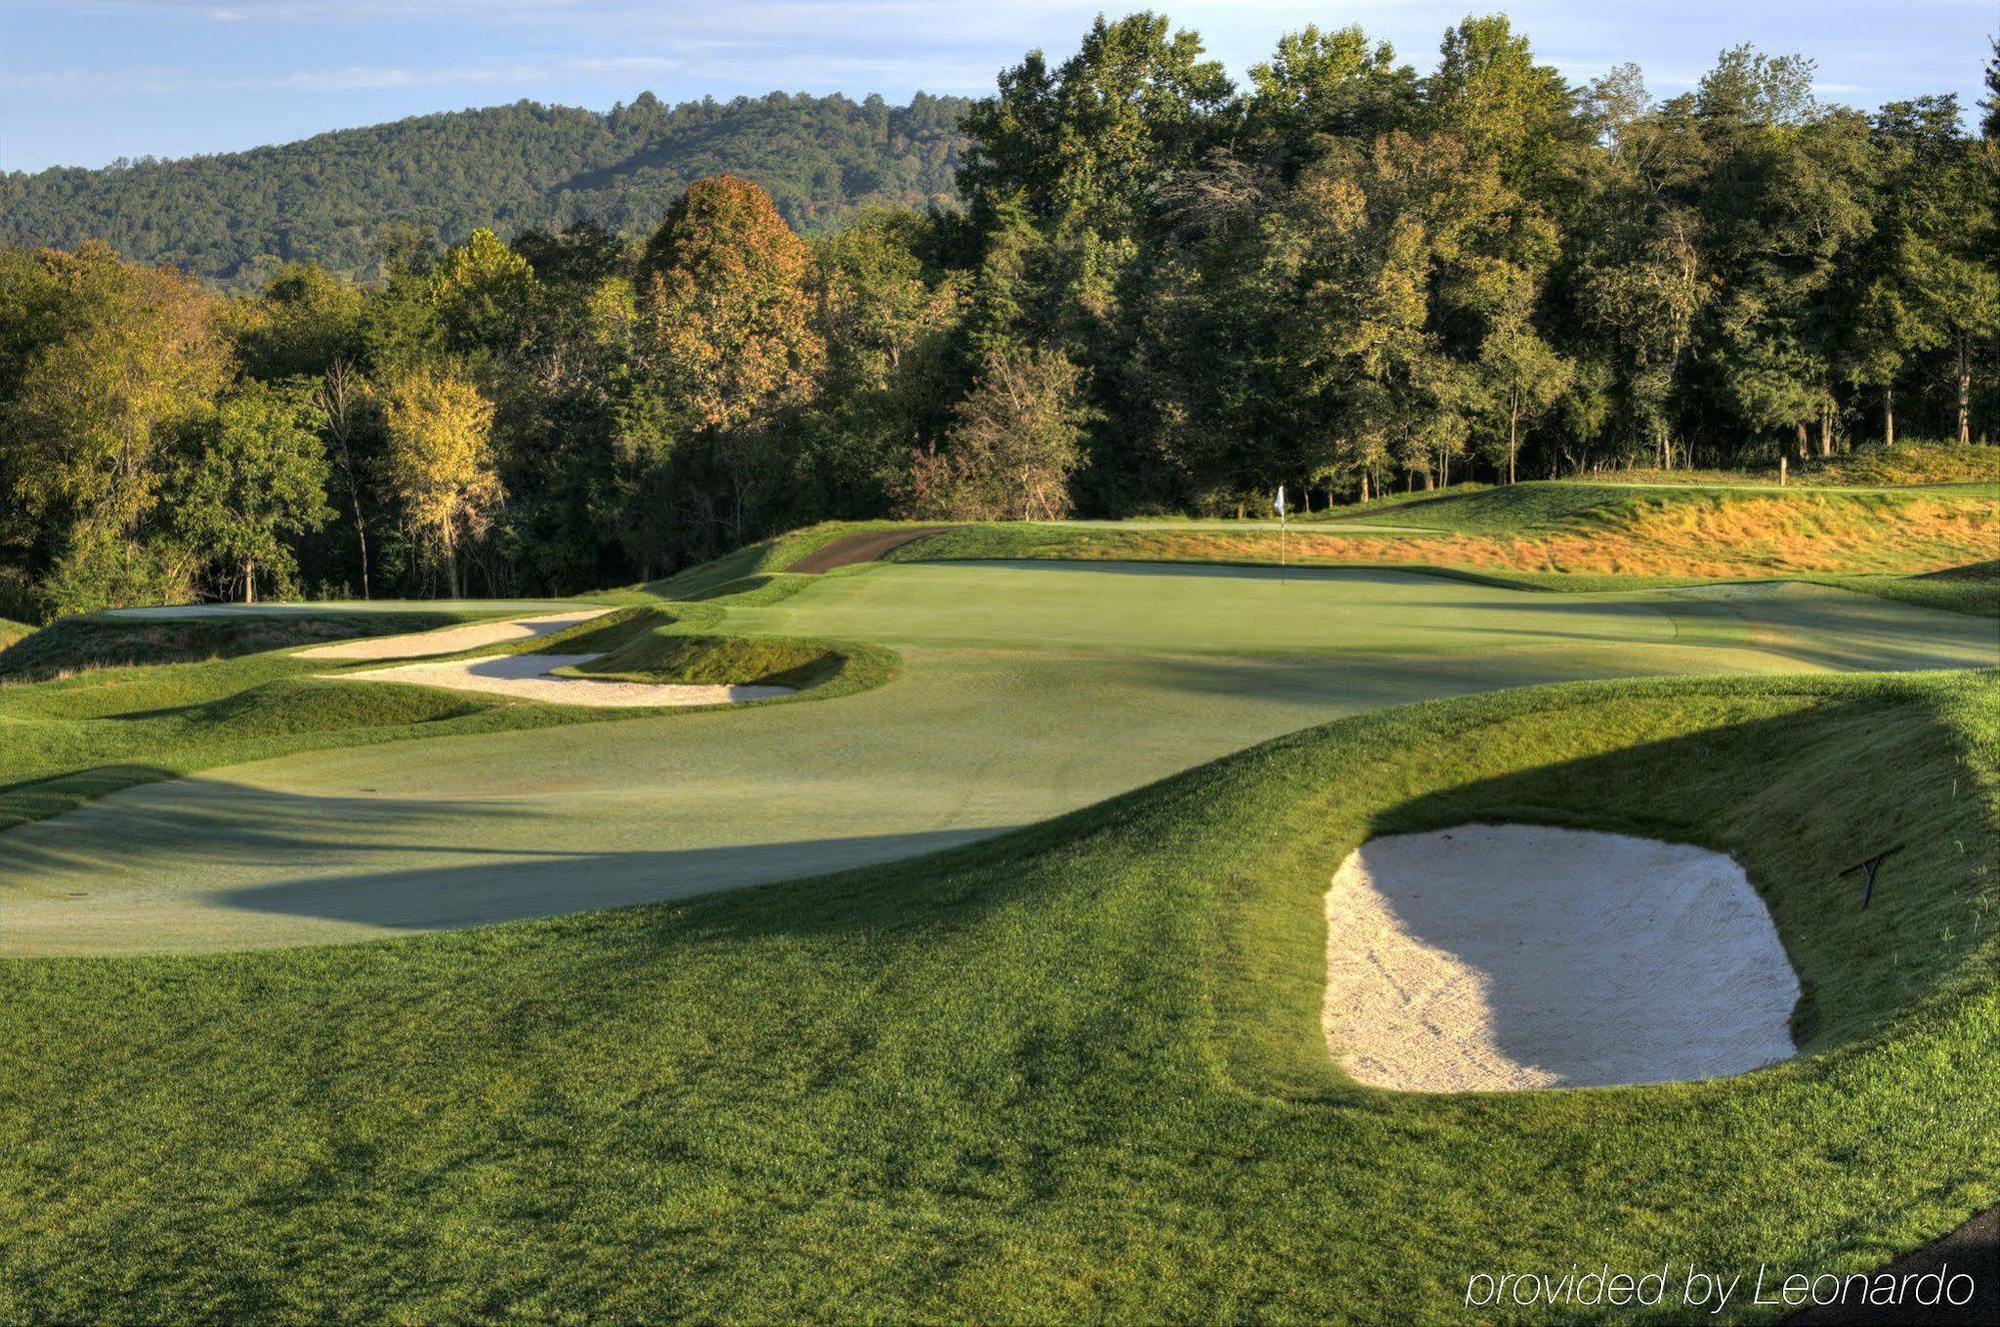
234, 216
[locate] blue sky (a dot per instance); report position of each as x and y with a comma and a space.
85, 81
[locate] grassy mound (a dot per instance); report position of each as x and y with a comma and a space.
71, 739
1909, 464
11, 631
1972, 588
1570, 528
75, 644
1072, 1072
719, 661
712, 578
656, 646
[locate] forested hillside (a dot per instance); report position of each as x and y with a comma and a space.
330, 199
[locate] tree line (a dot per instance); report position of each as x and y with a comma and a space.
1162, 293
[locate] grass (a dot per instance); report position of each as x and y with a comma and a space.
665, 655
1073, 1072
77, 644
719, 575
71, 741
1025, 692
109, 715
1910, 463
11, 631
1973, 588
1565, 528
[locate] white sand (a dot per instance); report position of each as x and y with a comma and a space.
525, 676
452, 640
1490, 957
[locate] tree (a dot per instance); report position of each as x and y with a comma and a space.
888, 318
727, 326
1786, 207
482, 290
440, 460
1990, 126
1896, 317
347, 409
1013, 449
1489, 92
1944, 205
1086, 142
305, 320
1325, 85
253, 474
1526, 377
1394, 266
129, 355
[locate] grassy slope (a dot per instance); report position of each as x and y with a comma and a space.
79, 644
1973, 588
1577, 536
1072, 1072
1909, 463
11, 631
116, 723
74, 740
721, 575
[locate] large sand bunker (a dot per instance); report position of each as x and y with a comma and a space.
453, 640
526, 677
1491, 957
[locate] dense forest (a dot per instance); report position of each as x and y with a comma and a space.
1162, 292
236, 217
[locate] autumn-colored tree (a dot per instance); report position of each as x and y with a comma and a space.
727, 329
728, 307
440, 460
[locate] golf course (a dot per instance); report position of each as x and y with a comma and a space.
1338, 675
344, 981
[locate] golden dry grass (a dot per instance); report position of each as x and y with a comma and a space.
1743, 536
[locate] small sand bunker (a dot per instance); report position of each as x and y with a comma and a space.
1495, 957
526, 676
452, 640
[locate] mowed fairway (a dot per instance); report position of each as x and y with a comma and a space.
1028, 690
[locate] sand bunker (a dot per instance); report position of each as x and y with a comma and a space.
526, 676
1491, 957
452, 640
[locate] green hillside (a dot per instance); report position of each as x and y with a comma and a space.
234, 216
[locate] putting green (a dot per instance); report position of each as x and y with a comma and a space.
1155, 608
1029, 690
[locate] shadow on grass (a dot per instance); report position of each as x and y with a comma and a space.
38, 799
551, 883
426, 864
